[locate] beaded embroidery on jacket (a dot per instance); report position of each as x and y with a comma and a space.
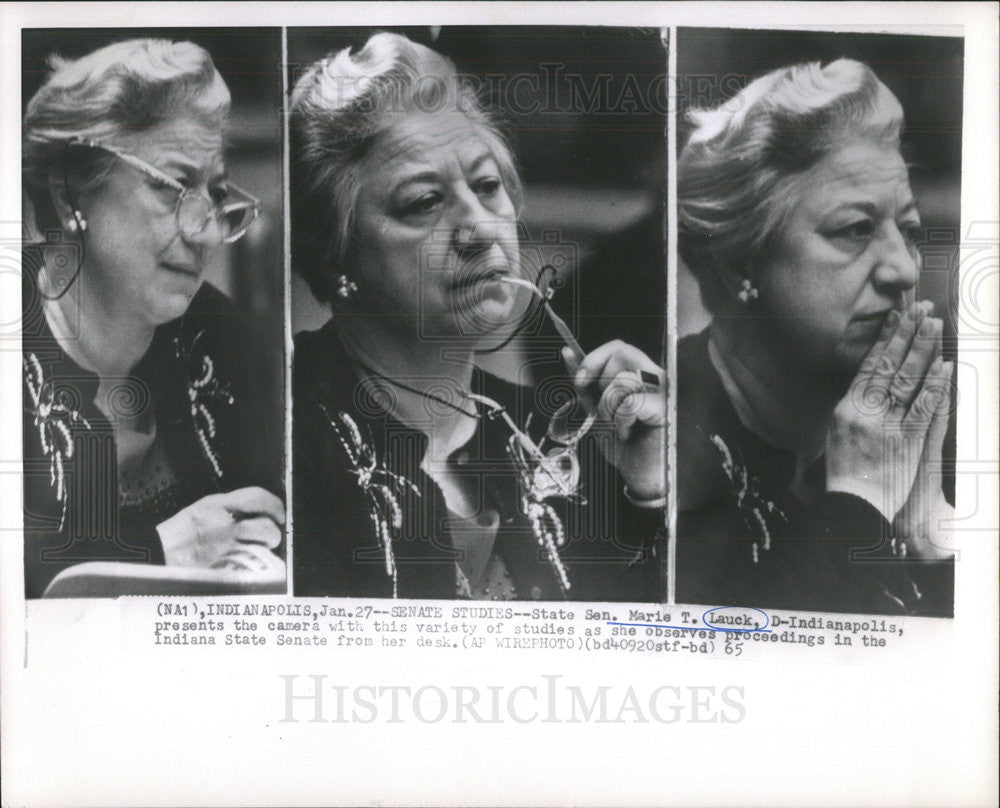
747, 497
205, 393
382, 486
54, 417
541, 476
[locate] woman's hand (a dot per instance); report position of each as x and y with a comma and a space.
876, 440
921, 522
635, 408
222, 526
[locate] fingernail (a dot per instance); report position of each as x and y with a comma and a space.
927, 327
889, 324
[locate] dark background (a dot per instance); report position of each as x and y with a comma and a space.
925, 74
594, 171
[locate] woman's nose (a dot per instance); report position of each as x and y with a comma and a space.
210, 234
897, 258
475, 227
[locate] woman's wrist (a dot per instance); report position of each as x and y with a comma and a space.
927, 534
176, 539
872, 494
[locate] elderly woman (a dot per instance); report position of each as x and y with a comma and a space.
813, 409
137, 405
416, 473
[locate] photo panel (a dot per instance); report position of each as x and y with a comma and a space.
469, 413
153, 301
818, 230
467, 205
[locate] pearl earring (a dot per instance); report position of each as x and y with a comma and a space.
77, 222
748, 291
346, 288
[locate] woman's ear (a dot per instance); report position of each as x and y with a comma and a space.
69, 219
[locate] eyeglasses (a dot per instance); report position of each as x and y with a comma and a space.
194, 210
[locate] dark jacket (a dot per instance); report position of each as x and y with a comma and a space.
208, 386
611, 553
745, 539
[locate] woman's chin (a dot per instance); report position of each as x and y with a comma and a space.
487, 309
844, 362
169, 306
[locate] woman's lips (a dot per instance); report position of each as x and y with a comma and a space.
870, 325
180, 269
480, 277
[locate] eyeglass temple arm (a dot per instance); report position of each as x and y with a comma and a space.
132, 160
557, 321
250, 200
155, 173
564, 330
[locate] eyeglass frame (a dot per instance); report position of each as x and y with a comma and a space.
251, 202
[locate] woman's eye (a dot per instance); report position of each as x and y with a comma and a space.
164, 191
219, 194
422, 206
911, 232
488, 186
857, 231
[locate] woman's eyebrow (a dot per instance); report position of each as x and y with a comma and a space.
433, 176
192, 171
871, 208
419, 176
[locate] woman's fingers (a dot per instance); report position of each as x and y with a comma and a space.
627, 400
883, 364
939, 426
875, 454
918, 439
870, 363
569, 358
604, 363
253, 501
931, 406
895, 368
258, 530
612, 374
924, 350
216, 524
251, 558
